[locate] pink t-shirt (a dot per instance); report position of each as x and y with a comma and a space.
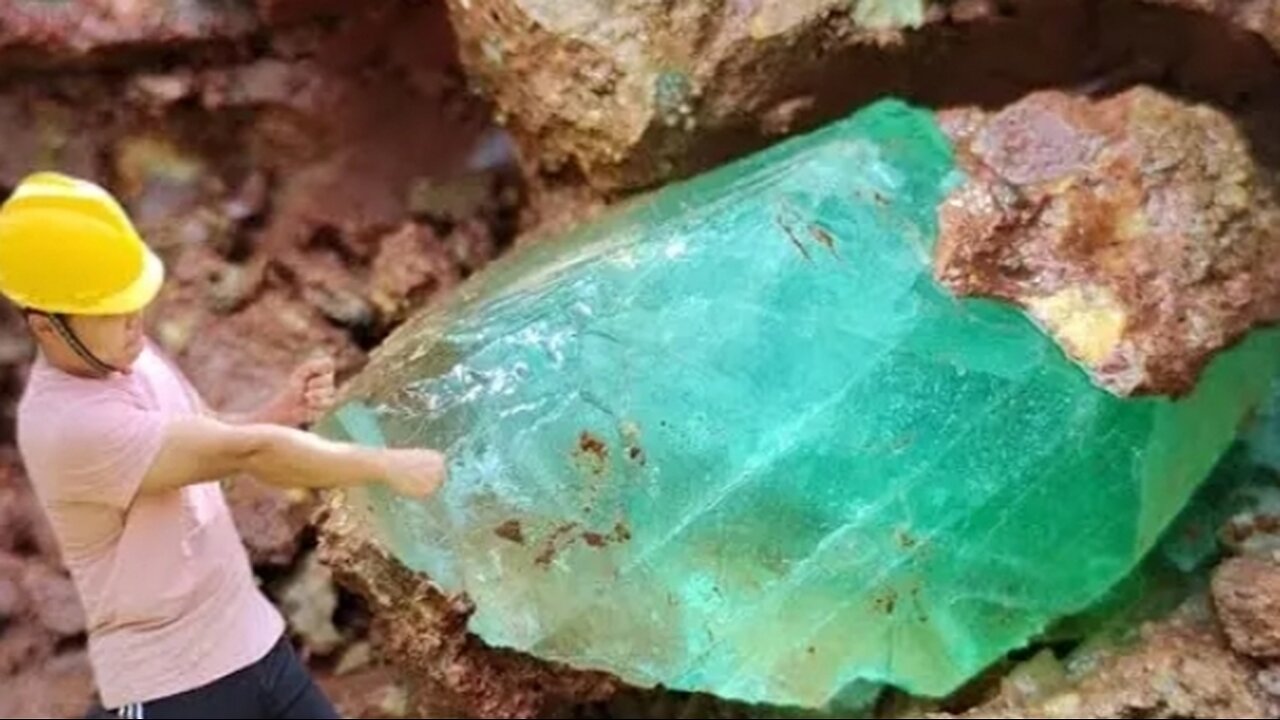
165, 581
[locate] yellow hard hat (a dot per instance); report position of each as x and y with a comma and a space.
67, 247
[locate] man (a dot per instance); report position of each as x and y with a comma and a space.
125, 458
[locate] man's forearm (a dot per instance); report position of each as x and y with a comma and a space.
291, 458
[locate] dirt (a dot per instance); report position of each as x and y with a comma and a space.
1142, 230
555, 543
592, 454
511, 531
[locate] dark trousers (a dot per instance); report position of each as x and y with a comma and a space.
277, 686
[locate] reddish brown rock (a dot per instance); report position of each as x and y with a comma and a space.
13, 519
473, 244
239, 362
282, 12
270, 521
23, 645
41, 33
24, 530
62, 687
16, 352
376, 109
424, 636
1256, 16
412, 264
369, 693
632, 94
1246, 592
54, 600
13, 599
1180, 668
1141, 230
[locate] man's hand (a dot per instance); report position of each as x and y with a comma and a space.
414, 473
307, 395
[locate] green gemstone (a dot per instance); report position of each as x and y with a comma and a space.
733, 438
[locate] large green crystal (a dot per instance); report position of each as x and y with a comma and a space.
733, 438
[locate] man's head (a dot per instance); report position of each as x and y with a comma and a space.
114, 340
73, 262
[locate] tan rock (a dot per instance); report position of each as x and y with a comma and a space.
1246, 592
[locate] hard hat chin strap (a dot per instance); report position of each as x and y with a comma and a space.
68, 335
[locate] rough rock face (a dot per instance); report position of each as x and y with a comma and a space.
280, 12
1143, 231
52, 596
62, 687
632, 93
1256, 16
42, 33
39, 611
1246, 592
1179, 669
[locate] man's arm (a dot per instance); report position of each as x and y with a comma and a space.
305, 396
200, 449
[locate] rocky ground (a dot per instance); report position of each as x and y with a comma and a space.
314, 170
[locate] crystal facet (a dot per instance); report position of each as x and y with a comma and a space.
734, 438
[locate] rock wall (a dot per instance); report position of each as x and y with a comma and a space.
630, 94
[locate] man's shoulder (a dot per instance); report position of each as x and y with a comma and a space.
53, 392
58, 408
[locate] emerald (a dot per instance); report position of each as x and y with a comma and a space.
733, 438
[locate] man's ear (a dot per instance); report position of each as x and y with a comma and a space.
40, 325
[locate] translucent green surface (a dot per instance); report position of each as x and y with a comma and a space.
733, 438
